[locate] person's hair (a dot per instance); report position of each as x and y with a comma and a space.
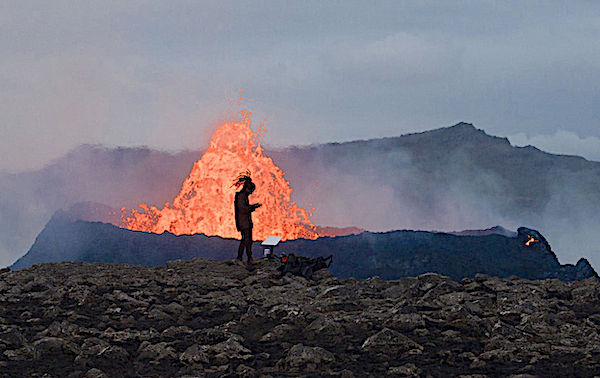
245, 180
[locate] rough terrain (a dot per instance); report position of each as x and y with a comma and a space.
204, 318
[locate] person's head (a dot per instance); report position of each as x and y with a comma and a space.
245, 181
249, 187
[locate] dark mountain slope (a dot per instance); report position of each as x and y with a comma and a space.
388, 255
519, 180
65, 240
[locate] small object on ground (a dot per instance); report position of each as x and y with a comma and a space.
304, 266
270, 243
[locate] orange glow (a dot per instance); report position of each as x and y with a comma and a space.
531, 240
205, 202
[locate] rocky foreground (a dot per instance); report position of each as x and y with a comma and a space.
204, 318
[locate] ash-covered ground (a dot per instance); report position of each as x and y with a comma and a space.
204, 318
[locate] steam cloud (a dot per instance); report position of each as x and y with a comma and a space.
387, 191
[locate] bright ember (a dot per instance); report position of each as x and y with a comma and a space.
205, 203
531, 240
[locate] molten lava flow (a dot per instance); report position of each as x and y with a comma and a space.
205, 202
531, 240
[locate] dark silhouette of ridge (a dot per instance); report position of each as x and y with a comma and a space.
388, 255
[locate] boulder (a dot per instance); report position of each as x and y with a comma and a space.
194, 355
49, 347
389, 341
301, 358
156, 353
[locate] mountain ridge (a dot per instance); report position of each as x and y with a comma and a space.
389, 255
456, 177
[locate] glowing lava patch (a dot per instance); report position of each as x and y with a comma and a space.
531, 240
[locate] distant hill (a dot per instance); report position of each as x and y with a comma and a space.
516, 181
454, 178
388, 255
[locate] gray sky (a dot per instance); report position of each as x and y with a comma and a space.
159, 73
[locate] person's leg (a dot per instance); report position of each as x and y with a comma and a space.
246, 243
249, 245
241, 247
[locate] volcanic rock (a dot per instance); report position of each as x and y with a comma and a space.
193, 355
389, 341
95, 373
302, 358
223, 320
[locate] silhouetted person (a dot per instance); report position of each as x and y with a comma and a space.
243, 215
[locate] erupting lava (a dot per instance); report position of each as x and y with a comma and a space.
205, 202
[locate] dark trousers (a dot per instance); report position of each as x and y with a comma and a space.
246, 242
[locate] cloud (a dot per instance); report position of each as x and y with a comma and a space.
155, 73
562, 142
397, 58
54, 104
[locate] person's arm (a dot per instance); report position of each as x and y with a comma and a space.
245, 207
248, 207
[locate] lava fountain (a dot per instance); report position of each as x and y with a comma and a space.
205, 203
